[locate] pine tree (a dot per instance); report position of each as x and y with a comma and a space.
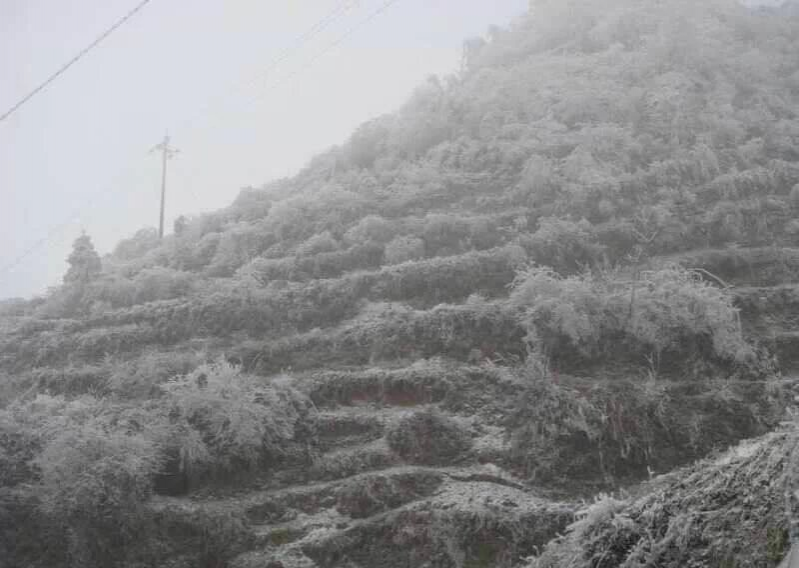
84, 262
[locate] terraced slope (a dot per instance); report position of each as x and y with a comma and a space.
358, 367
360, 503
415, 450
764, 283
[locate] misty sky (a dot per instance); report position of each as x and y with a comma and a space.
196, 68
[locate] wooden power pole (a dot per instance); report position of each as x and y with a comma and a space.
167, 152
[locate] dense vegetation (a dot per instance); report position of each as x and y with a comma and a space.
560, 223
663, 528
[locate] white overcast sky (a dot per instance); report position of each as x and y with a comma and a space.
196, 68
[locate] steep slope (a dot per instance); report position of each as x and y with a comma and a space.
367, 365
693, 517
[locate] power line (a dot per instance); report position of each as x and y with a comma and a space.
55, 230
319, 26
335, 43
286, 52
316, 28
42, 241
74, 60
330, 46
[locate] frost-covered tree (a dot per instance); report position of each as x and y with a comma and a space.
84, 262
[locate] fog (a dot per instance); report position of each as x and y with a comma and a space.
75, 157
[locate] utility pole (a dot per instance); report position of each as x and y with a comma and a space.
166, 153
